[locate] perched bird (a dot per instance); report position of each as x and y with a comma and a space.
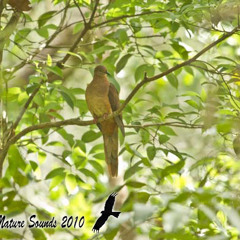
106, 213
102, 99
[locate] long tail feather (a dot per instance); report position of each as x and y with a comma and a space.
111, 152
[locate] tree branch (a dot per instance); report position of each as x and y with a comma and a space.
130, 96
7, 31
60, 64
77, 122
173, 124
80, 10
176, 67
53, 36
116, 19
93, 12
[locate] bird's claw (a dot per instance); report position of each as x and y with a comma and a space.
105, 115
95, 120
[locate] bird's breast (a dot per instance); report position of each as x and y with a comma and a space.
97, 98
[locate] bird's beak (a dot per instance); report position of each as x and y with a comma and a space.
108, 74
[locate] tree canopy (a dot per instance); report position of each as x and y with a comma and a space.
176, 65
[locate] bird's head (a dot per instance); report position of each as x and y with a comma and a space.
100, 70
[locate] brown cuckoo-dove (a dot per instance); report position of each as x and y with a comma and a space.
102, 99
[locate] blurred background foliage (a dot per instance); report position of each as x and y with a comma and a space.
179, 162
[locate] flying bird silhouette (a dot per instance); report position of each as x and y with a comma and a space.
106, 213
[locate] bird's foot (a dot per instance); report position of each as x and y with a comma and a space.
105, 115
95, 120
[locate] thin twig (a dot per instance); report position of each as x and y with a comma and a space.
80, 10
116, 19
176, 67
54, 35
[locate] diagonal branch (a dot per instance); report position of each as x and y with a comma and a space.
176, 67
47, 43
130, 96
93, 12
60, 64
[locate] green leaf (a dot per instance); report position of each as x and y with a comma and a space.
43, 32
45, 17
97, 166
38, 234
4, 233
55, 143
56, 172
20, 179
71, 183
145, 136
135, 184
90, 136
173, 80
122, 62
56, 70
180, 49
22, 34
121, 36
68, 99
132, 170
56, 181
88, 173
163, 138
39, 100
224, 127
142, 69
15, 208
167, 130
110, 235
146, 162
33, 165
226, 58
174, 168
31, 87
77, 27
15, 160
151, 152
142, 197
67, 136
193, 104
49, 60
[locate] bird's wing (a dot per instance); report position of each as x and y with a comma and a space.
100, 222
114, 101
110, 202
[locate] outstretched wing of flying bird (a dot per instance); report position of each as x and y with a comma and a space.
110, 202
106, 213
100, 222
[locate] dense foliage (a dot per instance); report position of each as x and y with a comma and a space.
176, 65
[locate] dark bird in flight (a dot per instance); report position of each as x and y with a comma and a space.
106, 213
